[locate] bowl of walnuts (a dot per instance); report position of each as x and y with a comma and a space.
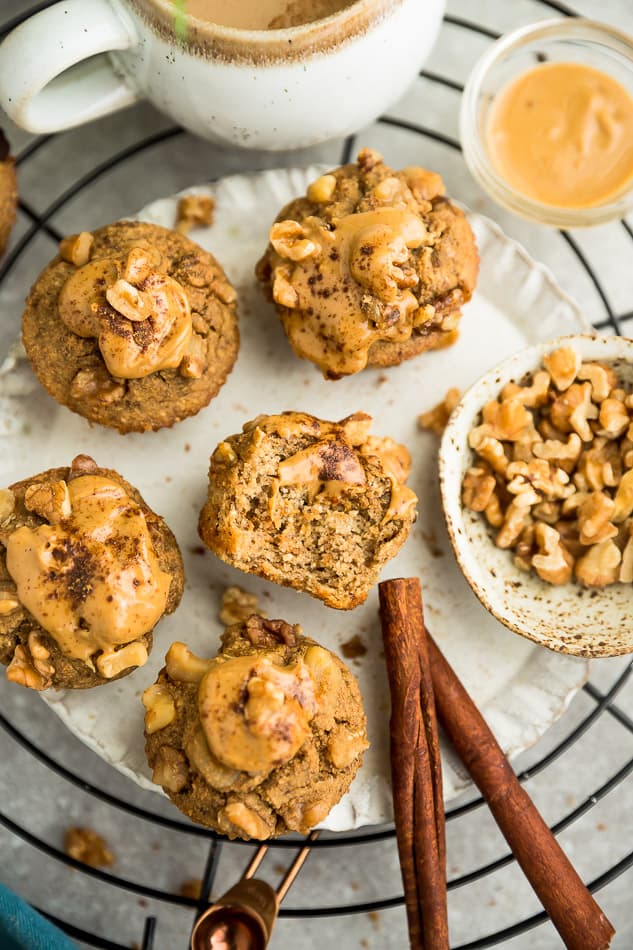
536, 477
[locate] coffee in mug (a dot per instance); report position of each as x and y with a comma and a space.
263, 14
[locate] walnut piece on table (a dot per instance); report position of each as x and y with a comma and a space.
194, 211
238, 605
436, 418
192, 887
89, 847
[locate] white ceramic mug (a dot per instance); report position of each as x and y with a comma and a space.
268, 89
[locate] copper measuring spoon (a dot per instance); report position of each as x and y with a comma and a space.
244, 917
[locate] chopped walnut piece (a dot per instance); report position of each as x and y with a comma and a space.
21, 670
238, 605
533, 395
353, 648
547, 431
368, 158
547, 511
517, 517
194, 211
477, 488
624, 498
598, 467
112, 663
96, 385
489, 449
564, 454
170, 769
9, 602
523, 489
7, 504
436, 418
40, 657
345, 746
128, 300
191, 366
626, 567
89, 847
184, 666
602, 379
524, 548
570, 538
594, 518
283, 291
552, 482
240, 816
573, 503
424, 184
49, 500
322, 189
224, 454
75, 249
613, 418
553, 563
507, 421
290, 239
138, 265
599, 566
159, 706
572, 410
191, 888
263, 632
493, 512
563, 365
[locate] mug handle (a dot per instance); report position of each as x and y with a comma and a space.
36, 90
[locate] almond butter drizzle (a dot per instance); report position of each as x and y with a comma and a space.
328, 278
93, 580
562, 134
255, 713
139, 315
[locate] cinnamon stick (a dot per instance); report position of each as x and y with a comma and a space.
415, 765
579, 920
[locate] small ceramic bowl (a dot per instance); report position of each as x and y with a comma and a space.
569, 618
569, 39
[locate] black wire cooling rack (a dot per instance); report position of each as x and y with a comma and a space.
603, 701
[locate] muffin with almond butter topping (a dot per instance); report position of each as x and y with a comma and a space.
315, 505
87, 570
370, 268
261, 740
132, 326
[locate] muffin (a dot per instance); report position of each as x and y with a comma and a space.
87, 569
132, 326
318, 506
261, 740
8, 192
370, 268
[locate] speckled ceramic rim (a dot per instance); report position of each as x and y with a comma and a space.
611, 609
601, 37
206, 39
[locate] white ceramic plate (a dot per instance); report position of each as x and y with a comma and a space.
521, 688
